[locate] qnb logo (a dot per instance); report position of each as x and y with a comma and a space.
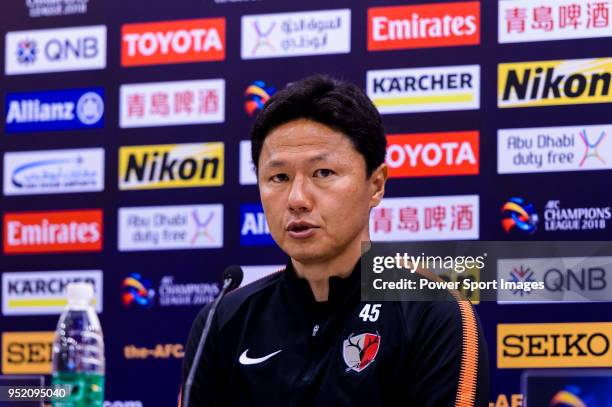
520, 215
555, 83
522, 274
62, 49
173, 42
55, 50
135, 290
26, 51
432, 154
256, 95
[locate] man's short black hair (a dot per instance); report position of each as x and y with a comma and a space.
337, 104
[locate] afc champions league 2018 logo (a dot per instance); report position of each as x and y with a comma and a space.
519, 214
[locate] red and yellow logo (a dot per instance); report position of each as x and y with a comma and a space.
424, 26
53, 232
171, 42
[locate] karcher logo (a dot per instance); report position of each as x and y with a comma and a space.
27, 352
171, 166
548, 83
554, 345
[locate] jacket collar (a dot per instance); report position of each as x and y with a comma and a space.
340, 289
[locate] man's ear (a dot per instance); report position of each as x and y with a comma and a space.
377, 183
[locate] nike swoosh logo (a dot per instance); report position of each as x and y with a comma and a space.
245, 360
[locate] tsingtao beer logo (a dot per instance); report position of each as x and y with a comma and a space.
171, 166
548, 83
172, 103
448, 217
547, 20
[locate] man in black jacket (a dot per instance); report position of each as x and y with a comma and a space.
302, 336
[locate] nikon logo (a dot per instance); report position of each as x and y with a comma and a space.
547, 83
554, 345
171, 166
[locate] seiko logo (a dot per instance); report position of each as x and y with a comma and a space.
556, 345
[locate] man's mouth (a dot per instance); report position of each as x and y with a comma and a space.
301, 230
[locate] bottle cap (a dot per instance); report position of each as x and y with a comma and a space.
80, 293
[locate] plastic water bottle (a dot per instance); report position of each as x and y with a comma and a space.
78, 350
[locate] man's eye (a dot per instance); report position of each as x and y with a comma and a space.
279, 178
323, 173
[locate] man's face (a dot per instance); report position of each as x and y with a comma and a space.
314, 190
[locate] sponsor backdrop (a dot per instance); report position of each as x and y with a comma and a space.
126, 161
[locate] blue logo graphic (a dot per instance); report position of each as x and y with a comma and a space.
26, 51
254, 229
54, 110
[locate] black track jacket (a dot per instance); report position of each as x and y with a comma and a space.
272, 344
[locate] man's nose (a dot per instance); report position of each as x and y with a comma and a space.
299, 198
